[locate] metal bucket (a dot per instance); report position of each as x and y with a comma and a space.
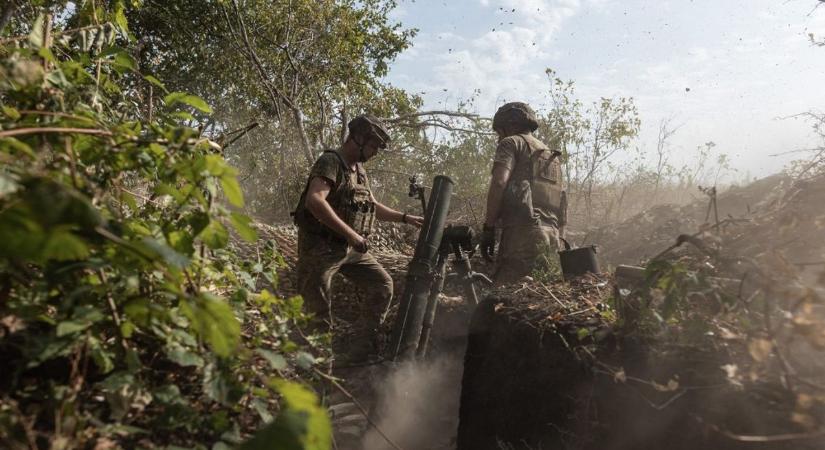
578, 261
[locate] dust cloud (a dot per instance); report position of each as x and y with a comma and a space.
417, 405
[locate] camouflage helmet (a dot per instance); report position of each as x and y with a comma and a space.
519, 114
367, 125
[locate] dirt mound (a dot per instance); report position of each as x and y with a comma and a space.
537, 375
642, 236
723, 348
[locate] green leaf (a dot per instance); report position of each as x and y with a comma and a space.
582, 333
103, 358
232, 190
212, 319
187, 99
215, 235
120, 17
70, 326
182, 356
262, 409
302, 424
170, 256
62, 245
242, 226
12, 146
83, 317
11, 113
36, 34
124, 61
276, 360
305, 360
155, 81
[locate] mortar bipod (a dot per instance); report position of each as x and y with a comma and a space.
457, 240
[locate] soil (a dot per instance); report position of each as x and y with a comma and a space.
536, 384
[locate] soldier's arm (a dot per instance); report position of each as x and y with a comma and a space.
384, 212
316, 202
498, 182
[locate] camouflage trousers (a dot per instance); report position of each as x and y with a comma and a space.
319, 259
522, 249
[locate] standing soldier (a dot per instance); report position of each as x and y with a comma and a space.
525, 195
335, 217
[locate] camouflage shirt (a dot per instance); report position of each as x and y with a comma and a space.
514, 153
329, 166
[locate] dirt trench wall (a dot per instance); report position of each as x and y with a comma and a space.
525, 388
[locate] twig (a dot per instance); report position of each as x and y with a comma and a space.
27, 424
24, 131
582, 311
355, 401
553, 295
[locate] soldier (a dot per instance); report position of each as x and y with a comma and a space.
525, 196
335, 217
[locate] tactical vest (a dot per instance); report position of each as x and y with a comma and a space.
534, 190
350, 199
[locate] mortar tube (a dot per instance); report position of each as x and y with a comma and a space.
432, 304
413, 302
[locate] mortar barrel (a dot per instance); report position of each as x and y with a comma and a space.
413, 302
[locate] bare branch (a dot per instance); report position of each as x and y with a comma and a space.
415, 115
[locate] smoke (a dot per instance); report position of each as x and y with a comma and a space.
417, 405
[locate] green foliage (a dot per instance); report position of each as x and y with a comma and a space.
123, 308
301, 425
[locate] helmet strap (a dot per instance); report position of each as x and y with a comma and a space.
361, 144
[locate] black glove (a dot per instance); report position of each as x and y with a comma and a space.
488, 242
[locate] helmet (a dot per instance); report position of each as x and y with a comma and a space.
515, 113
366, 125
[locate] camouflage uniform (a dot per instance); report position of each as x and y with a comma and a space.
532, 206
322, 253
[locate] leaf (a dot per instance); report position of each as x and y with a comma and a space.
302, 424
582, 333
276, 360
155, 81
11, 112
671, 385
760, 349
70, 326
215, 235
262, 409
36, 34
12, 145
232, 190
82, 318
171, 257
62, 245
101, 356
120, 17
213, 319
182, 356
124, 61
187, 99
305, 360
8, 184
241, 223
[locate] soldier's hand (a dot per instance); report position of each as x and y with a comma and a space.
488, 242
359, 243
416, 221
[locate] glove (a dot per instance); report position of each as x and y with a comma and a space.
488, 242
